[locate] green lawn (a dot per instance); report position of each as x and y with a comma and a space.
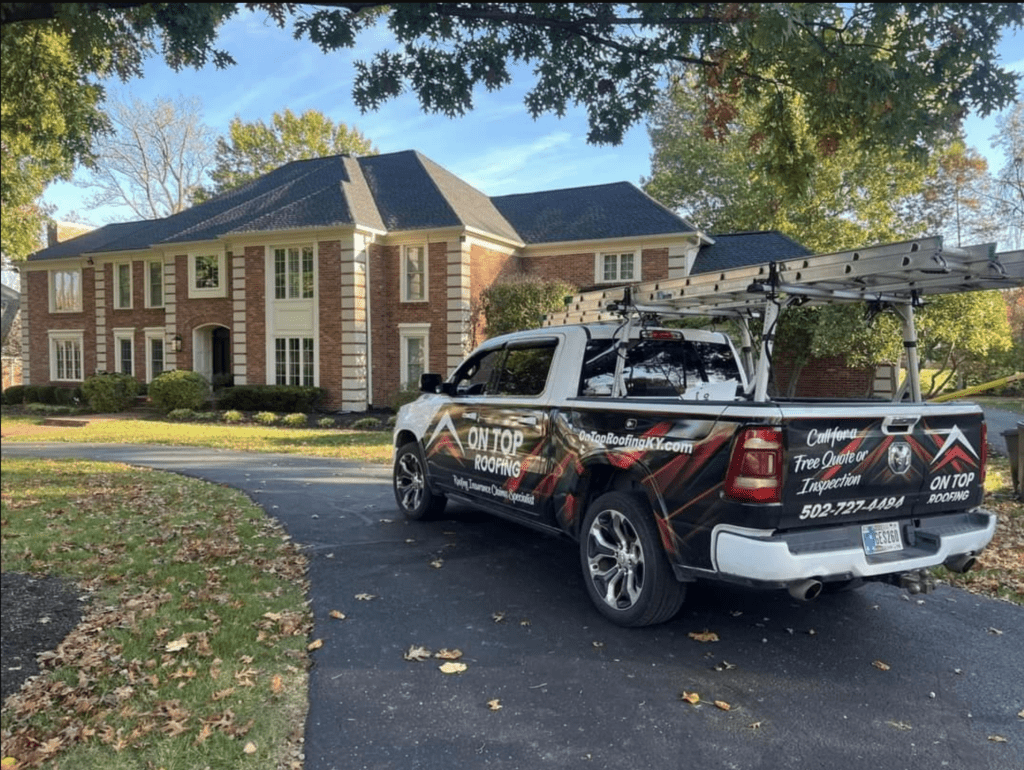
192, 652
359, 446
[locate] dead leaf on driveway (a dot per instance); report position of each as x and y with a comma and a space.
316, 644
997, 739
448, 654
452, 668
880, 665
690, 697
437, 563
1021, 713
337, 615
723, 705
417, 653
704, 636
899, 725
494, 705
365, 597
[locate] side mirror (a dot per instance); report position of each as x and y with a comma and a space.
430, 382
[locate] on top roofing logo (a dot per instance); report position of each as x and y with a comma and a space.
956, 447
446, 423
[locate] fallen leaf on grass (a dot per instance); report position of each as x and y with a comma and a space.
177, 645
690, 697
880, 665
316, 644
452, 668
704, 636
723, 705
250, 748
494, 705
448, 654
276, 684
997, 739
337, 615
8, 763
417, 653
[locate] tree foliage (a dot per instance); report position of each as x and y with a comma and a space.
50, 113
252, 149
957, 199
1010, 180
154, 159
520, 303
867, 74
730, 184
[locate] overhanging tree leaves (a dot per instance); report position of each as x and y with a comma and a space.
518, 303
154, 159
252, 149
868, 74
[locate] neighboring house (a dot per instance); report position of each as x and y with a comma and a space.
353, 274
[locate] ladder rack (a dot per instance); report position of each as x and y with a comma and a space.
895, 274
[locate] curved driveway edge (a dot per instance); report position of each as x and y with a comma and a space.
801, 680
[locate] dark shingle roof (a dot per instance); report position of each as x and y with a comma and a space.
397, 191
740, 249
614, 210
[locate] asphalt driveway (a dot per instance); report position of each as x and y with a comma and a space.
874, 679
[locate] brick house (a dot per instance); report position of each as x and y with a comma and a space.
354, 274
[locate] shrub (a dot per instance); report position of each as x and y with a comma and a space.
206, 416
367, 423
326, 422
49, 410
520, 302
181, 415
110, 392
179, 389
51, 394
403, 397
271, 398
14, 395
392, 421
296, 420
265, 418
233, 416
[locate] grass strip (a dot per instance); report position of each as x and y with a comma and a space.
192, 652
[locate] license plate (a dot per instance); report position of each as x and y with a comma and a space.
881, 538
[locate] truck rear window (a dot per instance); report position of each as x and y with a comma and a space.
657, 368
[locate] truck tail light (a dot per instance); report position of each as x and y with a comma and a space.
984, 454
755, 468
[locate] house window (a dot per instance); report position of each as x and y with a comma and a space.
414, 273
124, 352
293, 272
207, 276
155, 284
415, 353
65, 291
154, 353
623, 266
294, 361
66, 356
123, 286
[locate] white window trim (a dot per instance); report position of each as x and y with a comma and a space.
273, 270
163, 283
119, 336
51, 275
157, 333
599, 266
117, 285
404, 274
221, 290
74, 335
406, 332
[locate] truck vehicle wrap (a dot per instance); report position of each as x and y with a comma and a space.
660, 452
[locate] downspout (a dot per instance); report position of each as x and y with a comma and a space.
369, 326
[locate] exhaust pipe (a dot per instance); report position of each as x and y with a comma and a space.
805, 590
962, 563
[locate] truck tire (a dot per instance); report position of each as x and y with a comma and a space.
625, 569
412, 491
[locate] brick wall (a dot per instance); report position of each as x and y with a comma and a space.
255, 316
41, 321
828, 377
331, 347
579, 269
193, 313
138, 317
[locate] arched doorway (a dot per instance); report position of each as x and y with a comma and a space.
211, 356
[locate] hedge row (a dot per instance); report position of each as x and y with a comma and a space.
56, 395
270, 398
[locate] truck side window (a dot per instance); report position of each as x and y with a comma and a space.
525, 370
477, 375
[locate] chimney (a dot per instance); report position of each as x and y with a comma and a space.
52, 239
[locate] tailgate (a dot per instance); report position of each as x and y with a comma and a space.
872, 462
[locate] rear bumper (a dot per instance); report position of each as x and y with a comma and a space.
836, 552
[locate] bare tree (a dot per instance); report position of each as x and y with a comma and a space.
154, 159
1010, 181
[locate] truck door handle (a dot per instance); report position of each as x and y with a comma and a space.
527, 421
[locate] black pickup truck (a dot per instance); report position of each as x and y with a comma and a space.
653, 448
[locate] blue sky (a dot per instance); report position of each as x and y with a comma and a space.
497, 147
